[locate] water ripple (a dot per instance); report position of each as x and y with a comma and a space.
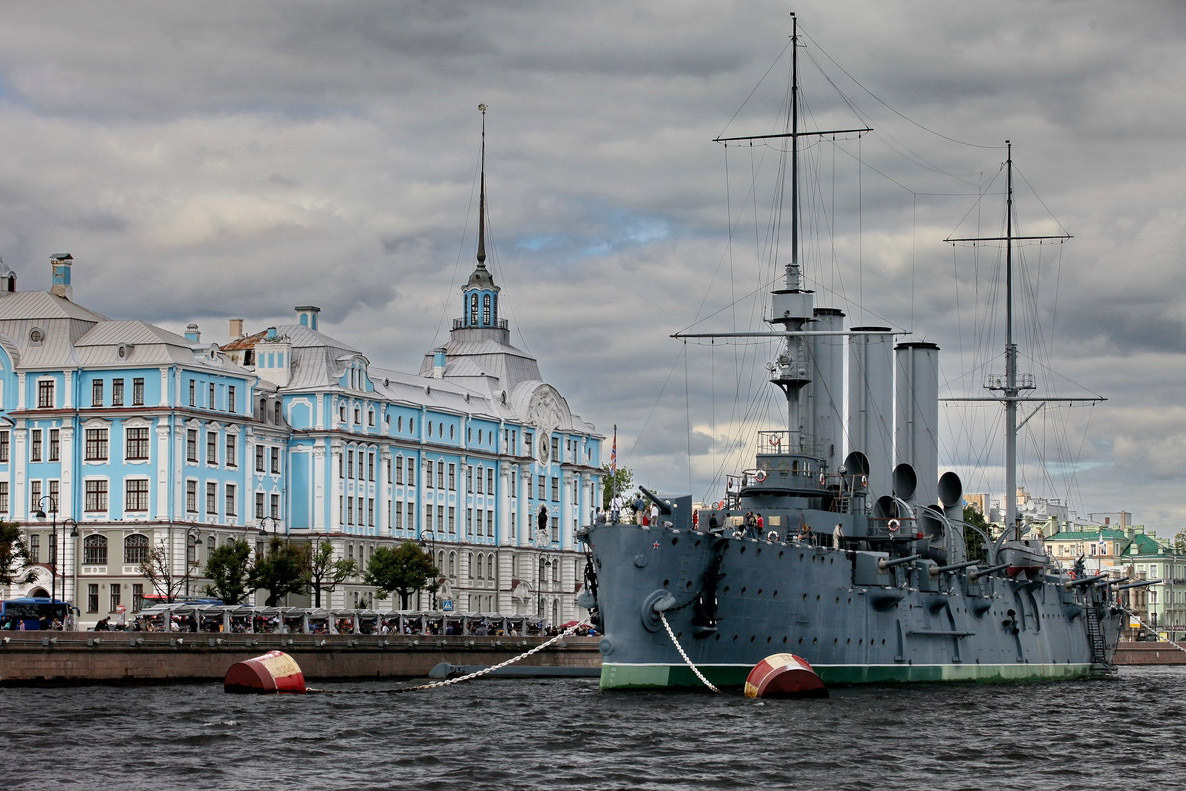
506, 735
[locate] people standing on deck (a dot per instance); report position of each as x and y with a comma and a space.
837, 536
638, 514
654, 514
751, 525
615, 508
805, 533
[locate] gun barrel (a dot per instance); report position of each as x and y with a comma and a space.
885, 563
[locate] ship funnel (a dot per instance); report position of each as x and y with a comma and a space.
916, 417
871, 402
905, 481
887, 507
951, 495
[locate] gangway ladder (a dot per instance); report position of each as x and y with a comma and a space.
1099, 650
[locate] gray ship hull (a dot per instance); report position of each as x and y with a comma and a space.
730, 602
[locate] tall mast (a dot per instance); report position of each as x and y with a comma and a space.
1015, 383
1011, 390
792, 307
794, 148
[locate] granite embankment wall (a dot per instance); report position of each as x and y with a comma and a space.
1149, 654
148, 657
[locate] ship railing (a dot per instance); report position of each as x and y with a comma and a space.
791, 443
893, 528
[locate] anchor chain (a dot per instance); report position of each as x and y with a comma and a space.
459, 679
687, 661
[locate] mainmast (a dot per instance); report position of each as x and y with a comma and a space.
1014, 384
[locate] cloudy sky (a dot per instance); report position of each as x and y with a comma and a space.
224, 159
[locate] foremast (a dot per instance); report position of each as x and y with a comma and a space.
792, 306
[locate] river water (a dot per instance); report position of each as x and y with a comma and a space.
566, 734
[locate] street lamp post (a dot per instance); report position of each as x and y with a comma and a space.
74, 543
263, 533
433, 552
197, 542
53, 546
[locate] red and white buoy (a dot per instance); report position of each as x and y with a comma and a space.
274, 672
784, 676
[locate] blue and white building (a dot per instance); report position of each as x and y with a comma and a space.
128, 437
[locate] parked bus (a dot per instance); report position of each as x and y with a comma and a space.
153, 599
30, 611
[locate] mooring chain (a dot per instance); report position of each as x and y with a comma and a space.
459, 679
680, 648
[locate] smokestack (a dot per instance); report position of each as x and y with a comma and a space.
236, 329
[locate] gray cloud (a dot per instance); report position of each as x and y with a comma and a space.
228, 159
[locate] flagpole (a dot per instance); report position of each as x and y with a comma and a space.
613, 464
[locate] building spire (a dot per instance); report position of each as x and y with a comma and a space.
482, 197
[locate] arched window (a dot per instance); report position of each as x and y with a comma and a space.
473, 309
470, 558
452, 563
135, 549
486, 309
490, 566
94, 550
276, 413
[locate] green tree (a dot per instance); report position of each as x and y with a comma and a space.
1180, 542
15, 565
973, 539
618, 482
158, 570
325, 573
282, 570
404, 570
229, 569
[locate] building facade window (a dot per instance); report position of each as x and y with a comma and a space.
92, 597
4, 444
137, 444
276, 460
117, 392
35, 445
96, 495
136, 549
191, 444
114, 603
136, 494
94, 550
211, 499
97, 392
212, 447
45, 394
231, 451
138, 391
191, 496
96, 444
231, 499
55, 444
